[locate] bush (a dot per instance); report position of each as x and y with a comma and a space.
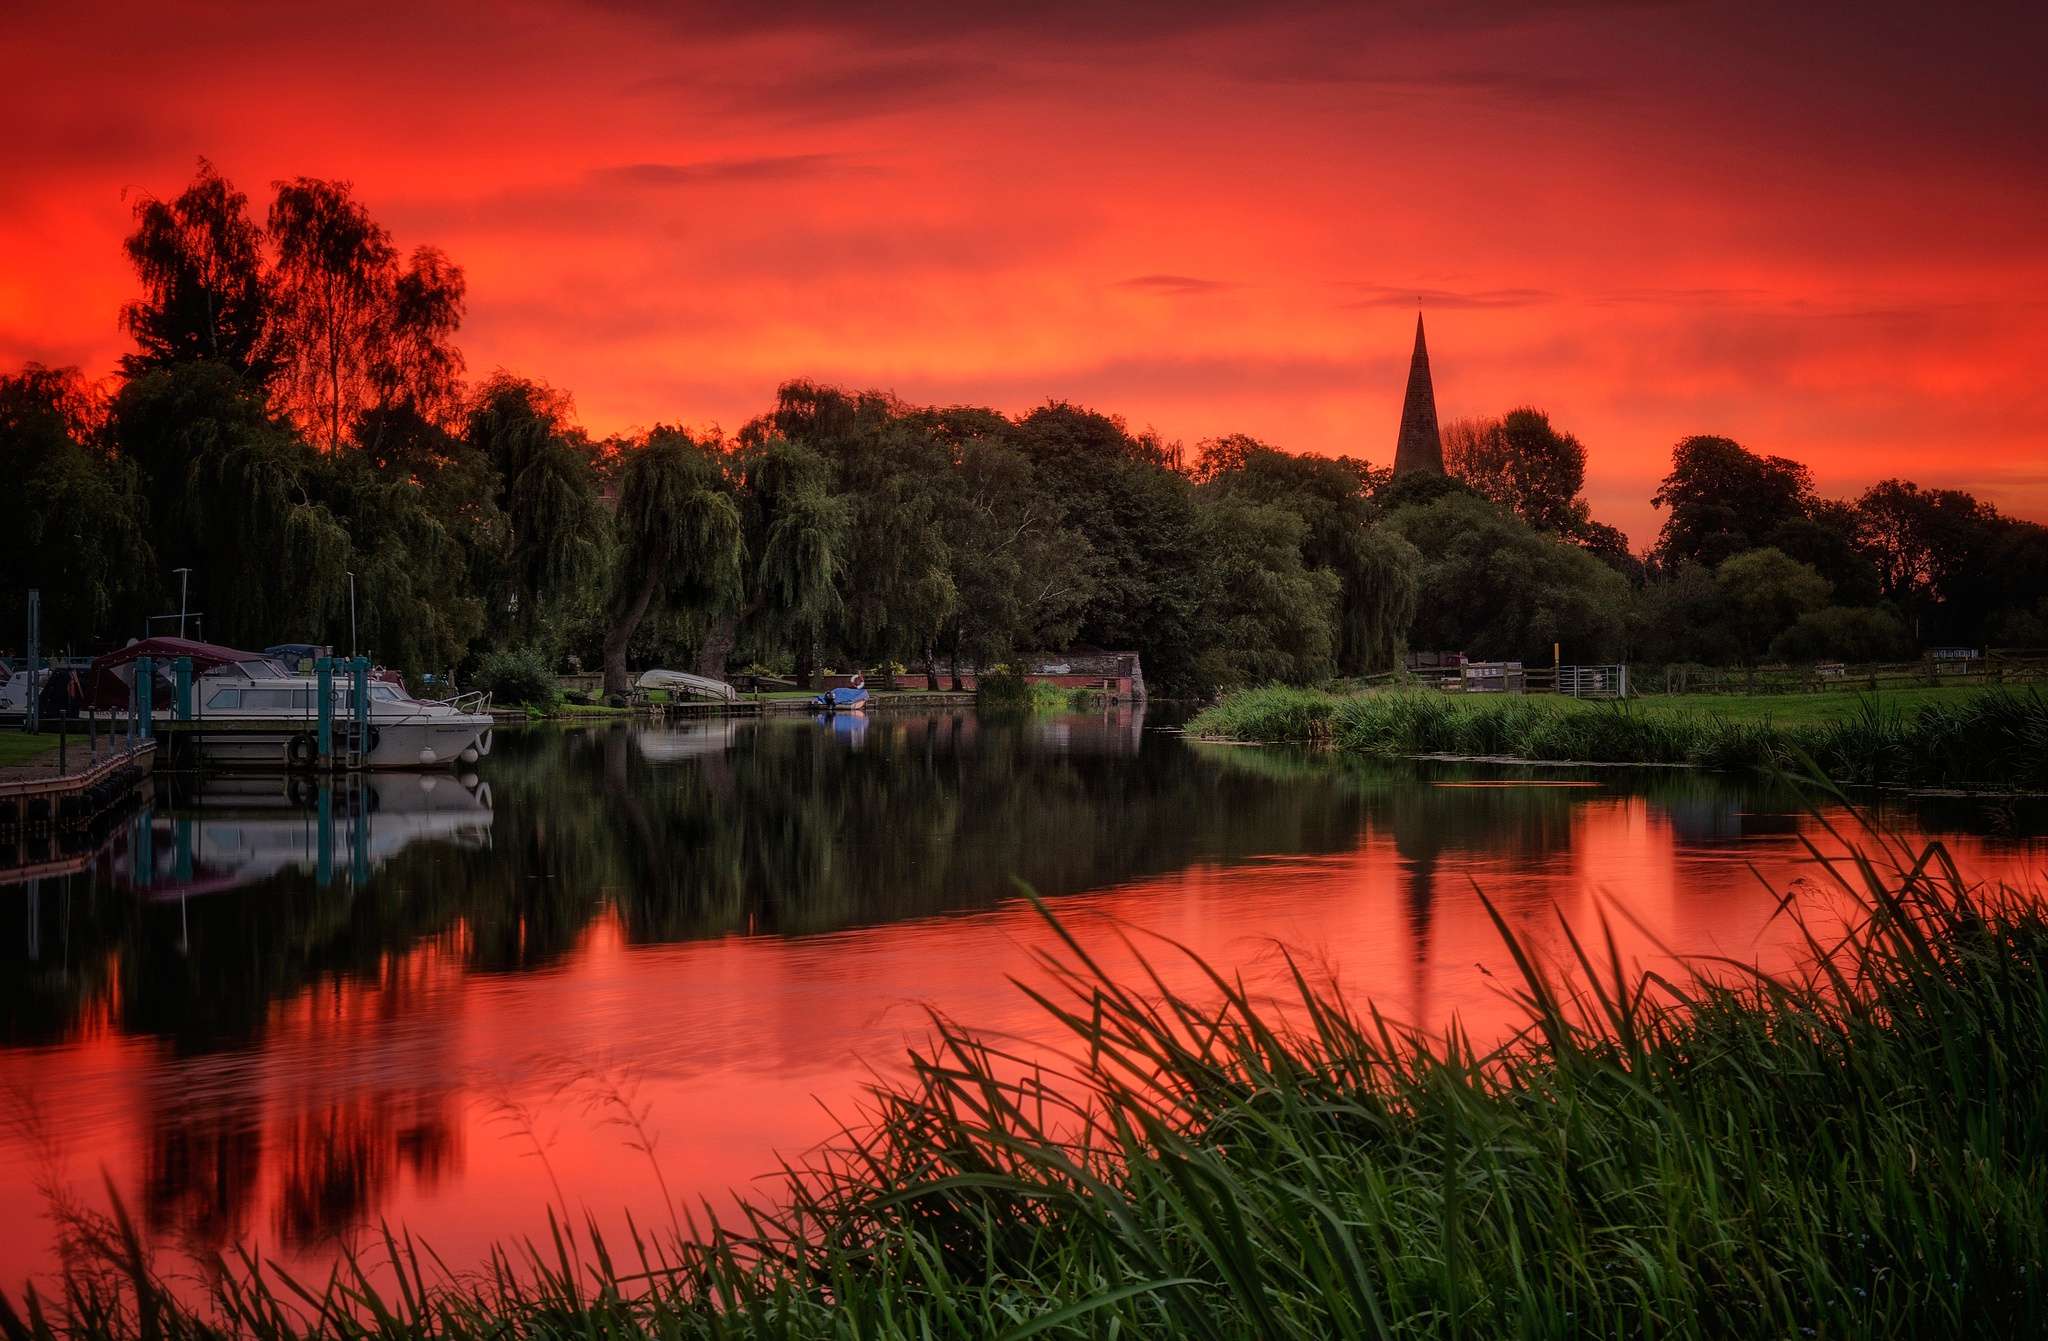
1841, 633
519, 678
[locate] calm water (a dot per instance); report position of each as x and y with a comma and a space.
272, 1014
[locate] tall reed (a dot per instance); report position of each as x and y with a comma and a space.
1857, 1149
1997, 739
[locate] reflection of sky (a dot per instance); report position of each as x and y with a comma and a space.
428, 1093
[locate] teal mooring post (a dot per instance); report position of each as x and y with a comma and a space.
324, 696
142, 698
182, 667
359, 674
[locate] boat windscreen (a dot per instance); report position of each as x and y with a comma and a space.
260, 670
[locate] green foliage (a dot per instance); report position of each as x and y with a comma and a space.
1850, 1150
1723, 497
518, 678
234, 496
1766, 590
1272, 619
679, 541
1996, 741
72, 522
1494, 588
1843, 633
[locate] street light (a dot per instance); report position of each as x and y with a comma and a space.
351, 616
184, 589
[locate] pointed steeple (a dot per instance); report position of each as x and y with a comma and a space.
1420, 446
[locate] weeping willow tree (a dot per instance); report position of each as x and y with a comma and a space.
72, 524
555, 526
796, 530
234, 496
679, 540
1382, 574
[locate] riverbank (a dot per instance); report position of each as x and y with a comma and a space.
1850, 1153
1993, 739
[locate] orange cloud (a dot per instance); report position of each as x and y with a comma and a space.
1818, 232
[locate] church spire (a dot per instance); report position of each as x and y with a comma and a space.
1420, 446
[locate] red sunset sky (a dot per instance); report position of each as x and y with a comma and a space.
1820, 230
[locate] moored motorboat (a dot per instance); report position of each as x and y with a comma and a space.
247, 711
850, 699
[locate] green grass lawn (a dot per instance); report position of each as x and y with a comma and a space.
17, 748
1805, 709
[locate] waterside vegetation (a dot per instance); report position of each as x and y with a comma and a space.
1854, 1149
1992, 739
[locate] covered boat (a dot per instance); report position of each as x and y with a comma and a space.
683, 684
843, 700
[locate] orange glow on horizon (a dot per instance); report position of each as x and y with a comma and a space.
1822, 236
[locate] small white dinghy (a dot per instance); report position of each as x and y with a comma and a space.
683, 684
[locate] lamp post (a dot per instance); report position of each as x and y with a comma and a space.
184, 591
351, 615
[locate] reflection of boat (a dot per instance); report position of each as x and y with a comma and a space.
686, 740
684, 685
847, 728
842, 700
229, 832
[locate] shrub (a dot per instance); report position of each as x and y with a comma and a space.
519, 677
1842, 633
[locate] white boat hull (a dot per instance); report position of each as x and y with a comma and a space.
432, 743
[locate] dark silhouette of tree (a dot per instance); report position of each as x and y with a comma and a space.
205, 298
679, 537
795, 530
555, 526
1375, 600
1723, 498
1524, 464
72, 520
234, 495
352, 330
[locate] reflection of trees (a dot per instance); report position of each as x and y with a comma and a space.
719, 828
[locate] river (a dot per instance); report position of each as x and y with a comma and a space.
268, 1013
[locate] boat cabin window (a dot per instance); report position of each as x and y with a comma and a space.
386, 693
268, 700
225, 698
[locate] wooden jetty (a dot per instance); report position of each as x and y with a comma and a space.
75, 800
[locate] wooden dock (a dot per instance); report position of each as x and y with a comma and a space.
74, 800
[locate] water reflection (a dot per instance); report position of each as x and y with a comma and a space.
277, 1009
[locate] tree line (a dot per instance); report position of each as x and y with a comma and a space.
297, 411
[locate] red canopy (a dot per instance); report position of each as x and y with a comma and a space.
110, 689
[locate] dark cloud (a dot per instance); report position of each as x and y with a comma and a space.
732, 171
1178, 286
1381, 295
841, 86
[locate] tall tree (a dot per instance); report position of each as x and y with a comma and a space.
204, 293
235, 496
679, 538
352, 329
796, 537
1333, 497
556, 529
1524, 464
72, 521
1724, 498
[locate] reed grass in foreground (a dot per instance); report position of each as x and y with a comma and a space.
1858, 1150
1998, 739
